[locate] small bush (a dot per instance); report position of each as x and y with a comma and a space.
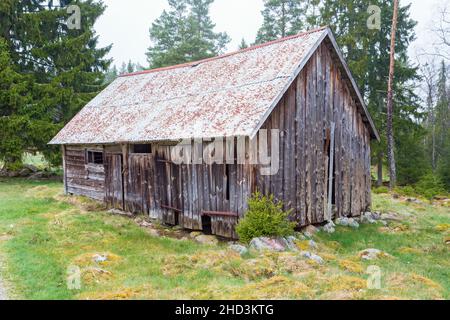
264, 218
407, 191
379, 190
430, 186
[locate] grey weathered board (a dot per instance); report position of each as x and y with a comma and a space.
114, 194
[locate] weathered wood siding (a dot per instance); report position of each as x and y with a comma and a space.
319, 96
183, 194
82, 178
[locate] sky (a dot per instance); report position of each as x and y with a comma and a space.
125, 24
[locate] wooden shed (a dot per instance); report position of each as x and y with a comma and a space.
294, 97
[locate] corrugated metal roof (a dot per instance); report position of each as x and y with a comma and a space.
227, 95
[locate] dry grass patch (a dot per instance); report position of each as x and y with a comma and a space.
278, 287
84, 204
351, 266
345, 283
444, 227
410, 250
122, 294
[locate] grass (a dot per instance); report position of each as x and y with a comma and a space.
43, 233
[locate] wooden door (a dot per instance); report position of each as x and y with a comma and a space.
114, 181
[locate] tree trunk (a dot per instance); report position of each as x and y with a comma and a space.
390, 130
380, 169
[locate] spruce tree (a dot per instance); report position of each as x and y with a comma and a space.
65, 64
131, 67
184, 33
243, 44
15, 100
282, 18
111, 75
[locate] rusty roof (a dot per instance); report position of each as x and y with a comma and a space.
228, 95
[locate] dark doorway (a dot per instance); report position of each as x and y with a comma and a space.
206, 224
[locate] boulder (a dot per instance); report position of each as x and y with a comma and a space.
414, 200
329, 227
309, 231
343, 221
367, 217
376, 215
272, 244
208, 240
392, 216
311, 256
242, 250
99, 258
352, 223
372, 254
195, 234
312, 244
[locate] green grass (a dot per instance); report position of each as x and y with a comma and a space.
42, 233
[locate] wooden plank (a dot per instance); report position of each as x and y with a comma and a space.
220, 213
330, 177
63, 149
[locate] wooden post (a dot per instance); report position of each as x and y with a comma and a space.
124, 174
331, 173
64, 168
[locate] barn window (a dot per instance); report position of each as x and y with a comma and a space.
142, 148
95, 157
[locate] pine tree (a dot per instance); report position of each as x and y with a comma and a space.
184, 33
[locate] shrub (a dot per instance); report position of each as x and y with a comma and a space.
379, 190
264, 217
407, 191
430, 186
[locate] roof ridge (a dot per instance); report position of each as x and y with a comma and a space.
265, 44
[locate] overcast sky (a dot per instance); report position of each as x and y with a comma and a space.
125, 24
